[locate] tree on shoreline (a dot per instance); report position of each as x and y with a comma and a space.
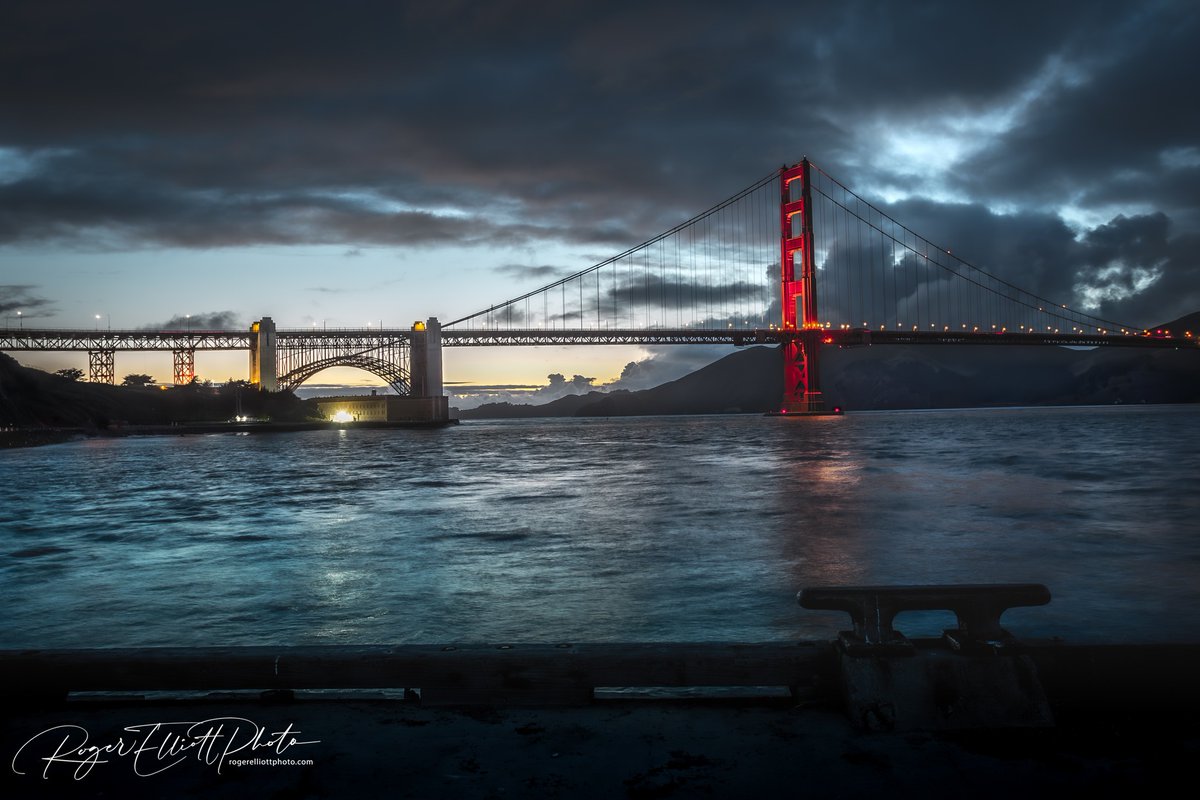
70, 373
137, 379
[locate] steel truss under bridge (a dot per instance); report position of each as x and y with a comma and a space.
384, 353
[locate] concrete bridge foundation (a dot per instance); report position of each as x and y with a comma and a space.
264, 369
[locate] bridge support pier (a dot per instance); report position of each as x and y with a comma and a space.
802, 374
425, 365
264, 372
185, 366
102, 366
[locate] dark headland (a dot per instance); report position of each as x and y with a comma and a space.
38, 407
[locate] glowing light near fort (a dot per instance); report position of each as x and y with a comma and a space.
342, 416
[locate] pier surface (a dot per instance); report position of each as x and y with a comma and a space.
1123, 726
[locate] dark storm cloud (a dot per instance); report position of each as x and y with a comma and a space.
211, 321
1137, 270
1175, 294
1034, 250
1124, 101
117, 211
587, 117
1129, 269
515, 315
588, 123
656, 292
16, 297
538, 272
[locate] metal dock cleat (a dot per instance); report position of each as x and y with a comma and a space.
975, 676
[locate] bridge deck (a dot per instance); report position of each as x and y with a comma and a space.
131, 340
750, 336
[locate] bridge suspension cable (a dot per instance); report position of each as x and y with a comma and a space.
716, 270
719, 270
875, 273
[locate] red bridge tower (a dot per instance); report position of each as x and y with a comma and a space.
802, 331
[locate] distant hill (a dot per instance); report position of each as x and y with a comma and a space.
746, 381
33, 398
937, 376
905, 376
562, 407
1184, 324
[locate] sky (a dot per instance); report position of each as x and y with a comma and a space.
384, 162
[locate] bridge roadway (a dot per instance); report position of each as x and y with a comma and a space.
751, 336
33, 339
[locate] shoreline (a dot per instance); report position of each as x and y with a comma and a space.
35, 437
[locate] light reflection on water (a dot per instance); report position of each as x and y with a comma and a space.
685, 528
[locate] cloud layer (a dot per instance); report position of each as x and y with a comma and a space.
1058, 143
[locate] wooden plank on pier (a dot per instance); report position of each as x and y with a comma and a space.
470, 669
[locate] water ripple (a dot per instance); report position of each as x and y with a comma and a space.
695, 528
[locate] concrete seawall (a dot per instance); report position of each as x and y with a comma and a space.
509, 720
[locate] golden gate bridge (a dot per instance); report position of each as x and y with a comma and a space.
796, 259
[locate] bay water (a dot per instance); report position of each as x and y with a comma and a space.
588, 530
